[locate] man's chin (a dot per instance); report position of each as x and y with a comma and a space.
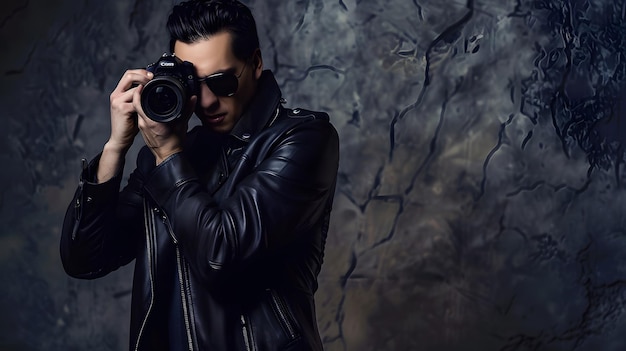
216, 126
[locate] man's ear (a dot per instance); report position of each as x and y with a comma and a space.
257, 63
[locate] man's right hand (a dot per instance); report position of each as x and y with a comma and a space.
124, 125
123, 115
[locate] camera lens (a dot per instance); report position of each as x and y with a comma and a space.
162, 99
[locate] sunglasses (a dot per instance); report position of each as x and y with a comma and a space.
223, 83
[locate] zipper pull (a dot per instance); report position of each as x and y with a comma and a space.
77, 215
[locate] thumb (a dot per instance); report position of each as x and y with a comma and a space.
191, 106
137, 100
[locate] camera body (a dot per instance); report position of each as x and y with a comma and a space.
165, 96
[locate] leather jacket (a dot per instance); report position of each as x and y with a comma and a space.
227, 236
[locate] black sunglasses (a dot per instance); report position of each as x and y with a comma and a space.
223, 83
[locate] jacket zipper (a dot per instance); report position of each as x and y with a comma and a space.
184, 300
149, 226
169, 227
247, 333
181, 281
281, 311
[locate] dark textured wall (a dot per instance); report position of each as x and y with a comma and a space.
481, 194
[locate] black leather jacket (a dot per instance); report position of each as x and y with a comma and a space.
228, 236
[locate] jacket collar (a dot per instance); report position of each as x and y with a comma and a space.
262, 108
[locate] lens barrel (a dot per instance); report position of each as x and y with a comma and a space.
163, 99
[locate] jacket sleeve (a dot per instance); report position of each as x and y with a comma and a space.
101, 224
286, 189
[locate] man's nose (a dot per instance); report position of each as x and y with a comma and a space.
208, 100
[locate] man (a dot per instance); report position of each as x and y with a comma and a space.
227, 223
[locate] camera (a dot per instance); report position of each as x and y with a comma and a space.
165, 96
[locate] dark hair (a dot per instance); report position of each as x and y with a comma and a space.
195, 20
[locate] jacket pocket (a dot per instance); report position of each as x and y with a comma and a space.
269, 324
283, 315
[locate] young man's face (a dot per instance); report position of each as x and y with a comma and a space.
215, 55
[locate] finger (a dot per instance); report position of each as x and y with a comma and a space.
123, 102
136, 100
143, 122
191, 107
133, 77
123, 96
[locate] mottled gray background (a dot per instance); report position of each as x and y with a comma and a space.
481, 194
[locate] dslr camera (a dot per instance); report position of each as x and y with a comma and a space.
166, 95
